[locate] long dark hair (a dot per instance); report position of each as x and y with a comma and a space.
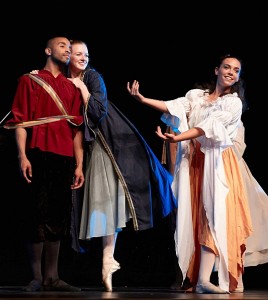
239, 87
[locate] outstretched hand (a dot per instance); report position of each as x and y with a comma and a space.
133, 89
168, 137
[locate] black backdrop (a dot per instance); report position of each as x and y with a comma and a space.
166, 47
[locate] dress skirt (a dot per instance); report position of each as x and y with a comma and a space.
239, 225
105, 209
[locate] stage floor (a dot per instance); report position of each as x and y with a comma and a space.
11, 292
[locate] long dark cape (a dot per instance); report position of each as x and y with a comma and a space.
146, 182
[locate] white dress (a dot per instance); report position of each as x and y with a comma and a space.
220, 121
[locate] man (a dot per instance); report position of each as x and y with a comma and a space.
49, 139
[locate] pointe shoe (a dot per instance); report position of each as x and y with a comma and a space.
208, 288
107, 271
238, 290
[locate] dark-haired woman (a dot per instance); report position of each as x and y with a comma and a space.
213, 217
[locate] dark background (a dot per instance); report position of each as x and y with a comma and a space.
167, 47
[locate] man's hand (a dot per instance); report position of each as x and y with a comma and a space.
78, 179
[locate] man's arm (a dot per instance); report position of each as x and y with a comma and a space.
78, 155
24, 163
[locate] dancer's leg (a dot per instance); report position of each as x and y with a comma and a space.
51, 250
206, 265
204, 286
52, 282
35, 251
109, 264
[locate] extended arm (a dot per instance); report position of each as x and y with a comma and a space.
156, 104
192, 133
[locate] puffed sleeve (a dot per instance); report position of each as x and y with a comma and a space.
178, 109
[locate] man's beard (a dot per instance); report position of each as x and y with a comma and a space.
59, 62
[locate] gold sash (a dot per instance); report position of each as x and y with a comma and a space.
45, 120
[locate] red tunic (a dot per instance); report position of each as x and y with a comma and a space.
32, 102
